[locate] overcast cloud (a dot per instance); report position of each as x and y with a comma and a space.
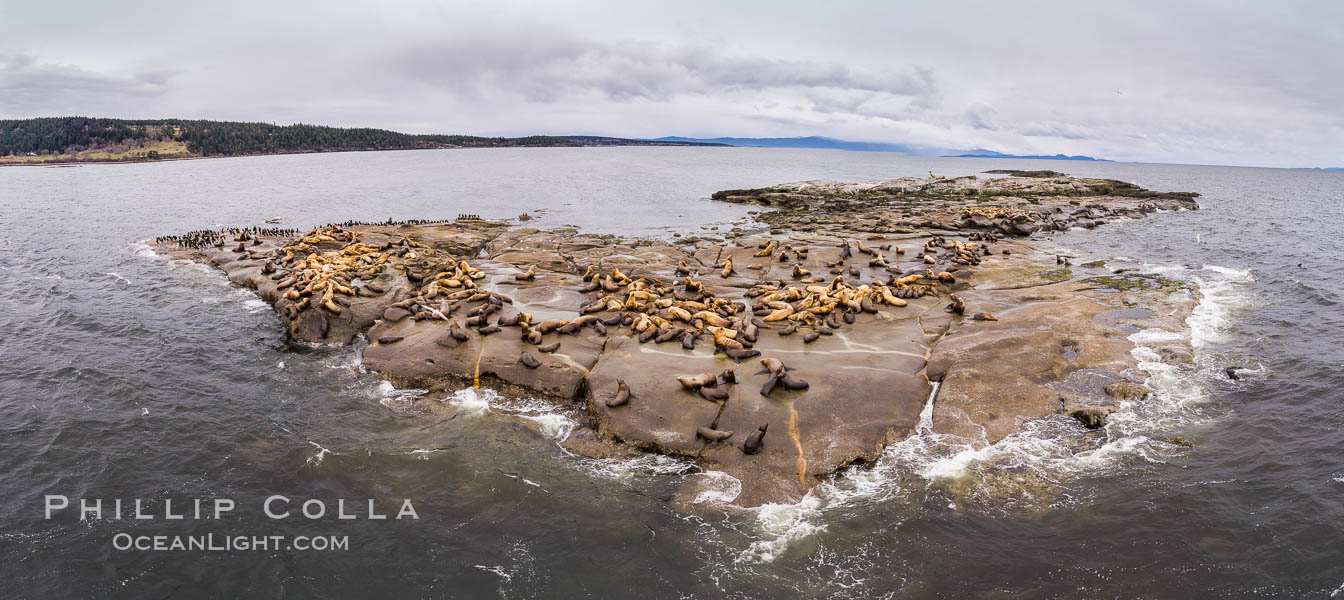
1209, 82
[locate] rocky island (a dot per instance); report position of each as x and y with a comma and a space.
778, 356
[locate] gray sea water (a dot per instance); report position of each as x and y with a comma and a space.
125, 375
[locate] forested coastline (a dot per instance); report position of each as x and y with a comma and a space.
81, 139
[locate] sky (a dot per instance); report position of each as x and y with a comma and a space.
1225, 82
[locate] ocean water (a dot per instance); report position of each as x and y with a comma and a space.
126, 375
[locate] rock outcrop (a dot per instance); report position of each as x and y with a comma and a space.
829, 330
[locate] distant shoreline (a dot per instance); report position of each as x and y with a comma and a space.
69, 162
50, 141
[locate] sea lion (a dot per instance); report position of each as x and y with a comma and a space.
669, 335
727, 268
737, 354
529, 275
550, 325
623, 395
688, 340
531, 336
713, 394
713, 435
728, 376
984, 317
695, 382
489, 329
457, 333
811, 337
791, 383
390, 339
528, 360
755, 441
749, 332
549, 348
788, 330
776, 369
957, 306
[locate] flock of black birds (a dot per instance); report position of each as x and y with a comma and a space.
389, 221
204, 238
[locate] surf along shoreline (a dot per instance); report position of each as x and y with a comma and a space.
776, 357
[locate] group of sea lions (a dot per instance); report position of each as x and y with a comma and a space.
321, 269
712, 387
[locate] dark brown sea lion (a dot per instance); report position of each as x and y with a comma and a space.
755, 441
713, 435
623, 395
528, 360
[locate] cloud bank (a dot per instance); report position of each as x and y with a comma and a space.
1209, 82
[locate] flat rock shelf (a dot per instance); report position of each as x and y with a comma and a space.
831, 326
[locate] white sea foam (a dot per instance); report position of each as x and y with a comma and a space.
471, 401
316, 459
423, 453
644, 465
1157, 335
497, 570
717, 487
118, 277
549, 421
782, 525
397, 399
144, 250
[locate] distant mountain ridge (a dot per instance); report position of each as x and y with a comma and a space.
599, 140
826, 143
814, 142
982, 153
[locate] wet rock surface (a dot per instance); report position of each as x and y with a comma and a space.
829, 330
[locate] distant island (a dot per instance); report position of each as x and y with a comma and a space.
814, 142
1320, 168
82, 139
826, 143
992, 154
